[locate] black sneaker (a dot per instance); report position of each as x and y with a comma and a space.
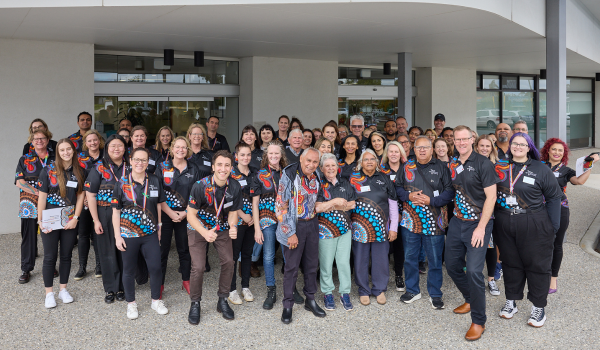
98, 272
409, 297
271, 298
437, 303
80, 274
400, 286
538, 317
422, 267
509, 309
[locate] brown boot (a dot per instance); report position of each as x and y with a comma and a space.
463, 309
254, 271
474, 332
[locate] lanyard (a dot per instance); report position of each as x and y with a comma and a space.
145, 191
214, 143
115, 176
273, 178
218, 210
558, 167
512, 183
45, 160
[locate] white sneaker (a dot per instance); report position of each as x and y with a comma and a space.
247, 294
234, 298
132, 312
50, 301
159, 307
65, 296
538, 317
493, 288
509, 309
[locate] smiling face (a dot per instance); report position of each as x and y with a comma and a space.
295, 140
165, 138
283, 124
357, 127
309, 162
431, 135
222, 168
92, 142
503, 132
66, 151
401, 125
84, 122
393, 154
519, 147
295, 125
413, 134
139, 139
39, 140
441, 149
125, 135
212, 124
317, 134
330, 168
369, 163
463, 141
350, 145
116, 149
125, 124
439, 124
139, 162
244, 155
484, 147
266, 135
196, 136
405, 142
390, 127
423, 150
306, 139
377, 142
180, 149
249, 137
556, 153
448, 135
342, 132
329, 133
274, 155
325, 147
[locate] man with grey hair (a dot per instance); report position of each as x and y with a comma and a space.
357, 126
292, 152
298, 229
520, 126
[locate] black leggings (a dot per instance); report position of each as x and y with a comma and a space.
149, 247
86, 234
558, 241
109, 255
244, 243
50, 240
181, 241
29, 228
398, 248
491, 257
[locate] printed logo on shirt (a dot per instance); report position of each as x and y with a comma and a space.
152, 187
470, 168
188, 175
433, 172
379, 182
228, 195
530, 173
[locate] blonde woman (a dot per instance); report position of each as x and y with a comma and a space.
164, 137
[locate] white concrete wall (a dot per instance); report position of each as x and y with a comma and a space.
49, 80
596, 114
270, 87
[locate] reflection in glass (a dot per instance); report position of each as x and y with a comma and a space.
574, 84
491, 82
519, 106
526, 83
509, 83
488, 111
579, 119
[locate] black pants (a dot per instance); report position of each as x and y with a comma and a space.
244, 243
398, 248
149, 248
472, 283
181, 242
491, 257
51, 240
110, 256
307, 254
558, 241
86, 234
29, 228
526, 242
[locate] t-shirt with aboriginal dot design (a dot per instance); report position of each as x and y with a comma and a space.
245, 183
336, 222
101, 181
48, 183
177, 184
87, 162
135, 220
28, 169
206, 194
265, 185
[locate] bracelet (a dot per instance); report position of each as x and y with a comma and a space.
160, 224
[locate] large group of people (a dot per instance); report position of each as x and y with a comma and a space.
351, 195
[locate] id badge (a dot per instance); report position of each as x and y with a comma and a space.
153, 193
243, 183
556, 174
436, 193
72, 184
207, 163
151, 162
365, 188
393, 177
168, 174
459, 169
511, 200
227, 205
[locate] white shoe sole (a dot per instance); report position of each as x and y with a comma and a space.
495, 293
537, 324
508, 316
415, 298
50, 306
132, 317
401, 289
234, 302
436, 308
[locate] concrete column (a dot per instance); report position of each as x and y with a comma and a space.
597, 113
405, 86
556, 68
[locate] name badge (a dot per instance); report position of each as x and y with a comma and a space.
168, 174
207, 163
393, 177
243, 183
365, 188
436, 193
228, 204
528, 180
556, 174
153, 193
72, 184
511, 200
459, 169
151, 162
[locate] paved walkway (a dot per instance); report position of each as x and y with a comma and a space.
573, 313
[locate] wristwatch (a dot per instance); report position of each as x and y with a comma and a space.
76, 217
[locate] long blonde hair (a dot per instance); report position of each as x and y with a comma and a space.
493, 154
283, 162
60, 169
90, 132
204, 144
158, 144
384, 159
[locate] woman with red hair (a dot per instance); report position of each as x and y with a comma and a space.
555, 153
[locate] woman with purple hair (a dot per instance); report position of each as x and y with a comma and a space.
527, 216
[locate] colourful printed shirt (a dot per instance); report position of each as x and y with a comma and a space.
138, 220
336, 222
87, 161
563, 175
177, 184
29, 168
101, 180
206, 195
264, 185
245, 183
77, 139
48, 183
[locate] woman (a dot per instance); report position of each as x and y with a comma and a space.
244, 243
177, 176
136, 205
367, 132
92, 152
201, 156
555, 154
330, 132
126, 135
267, 133
250, 137
527, 216
376, 142
38, 124
335, 238
139, 135
374, 223
442, 150
164, 137
295, 123
264, 192
413, 133
343, 131
485, 147
324, 146
317, 133
26, 179
349, 155
60, 186
430, 133
99, 186
308, 139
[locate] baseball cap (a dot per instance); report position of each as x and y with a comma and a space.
439, 116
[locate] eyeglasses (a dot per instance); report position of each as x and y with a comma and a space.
462, 140
519, 145
422, 148
138, 160
356, 126
40, 139
197, 134
180, 147
116, 147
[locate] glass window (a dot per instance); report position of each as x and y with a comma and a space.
375, 111
518, 106
542, 84
574, 84
526, 83
509, 83
491, 82
478, 83
362, 76
579, 119
488, 111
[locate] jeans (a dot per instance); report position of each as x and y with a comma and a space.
256, 250
269, 236
433, 246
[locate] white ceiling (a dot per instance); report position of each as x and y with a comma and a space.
350, 33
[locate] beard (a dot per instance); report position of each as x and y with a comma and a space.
503, 139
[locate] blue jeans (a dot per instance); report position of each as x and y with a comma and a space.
433, 246
269, 239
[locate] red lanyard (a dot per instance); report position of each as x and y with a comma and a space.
214, 143
511, 182
145, 194
273, 178
218, 210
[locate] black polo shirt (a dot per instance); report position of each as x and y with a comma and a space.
256, 158
205, 195
77, 139
469, 180
370, 217
177, 184
135, 220
153, 159
501, 154
48, 183
536, 185
563, 175
336, 222
87, 162
245, 182
219, 142
101, 181
29, 168
203, 161
291, 156
264, 185
285, 142
386, 169
346, 170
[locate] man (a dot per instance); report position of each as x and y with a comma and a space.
357, 126
213, 199
390, 130
125, 124
503, 135
439, 121
401, 125
520, 126
298, 230
424, 219
448, 135
84, 121
474, 179
405, 142
282, 134
293, 151
216, 141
